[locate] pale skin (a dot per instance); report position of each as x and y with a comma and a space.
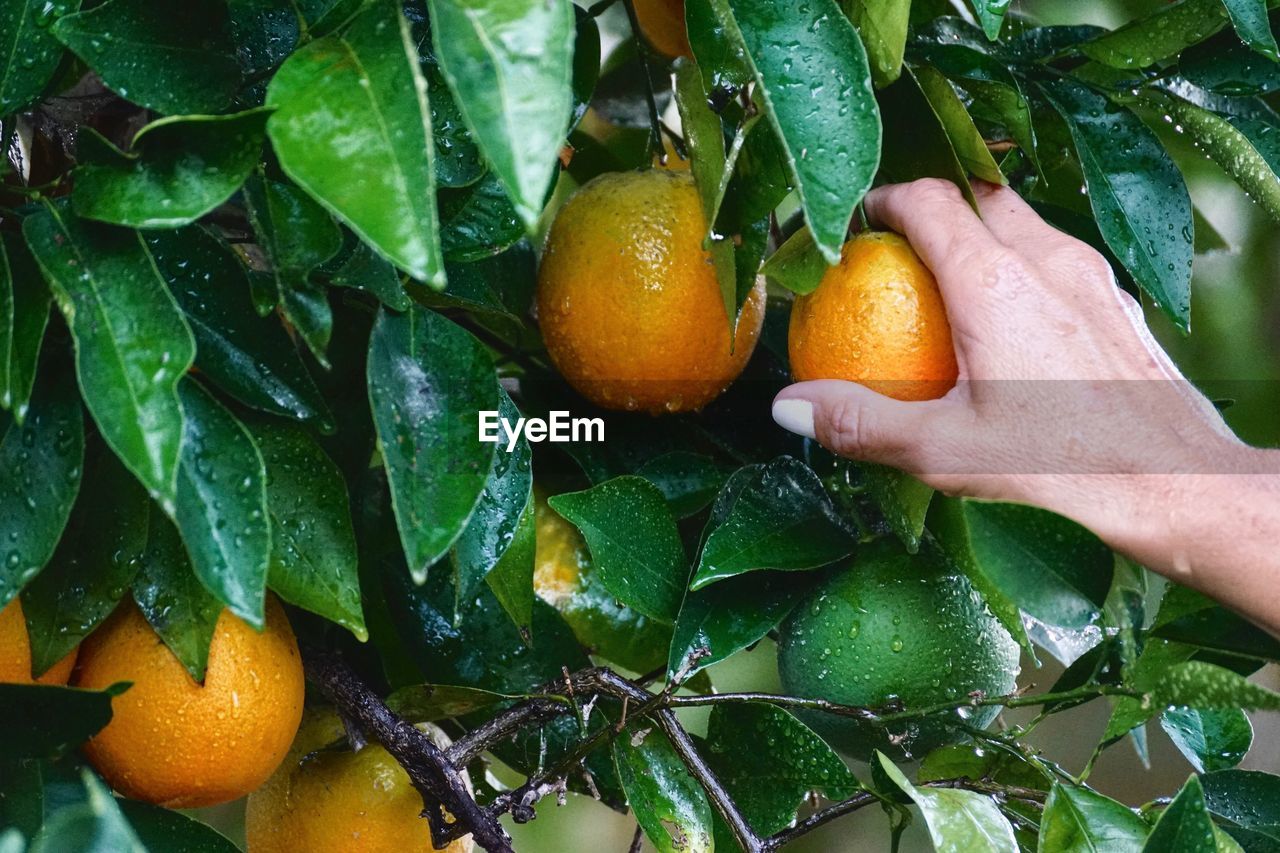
1064, 402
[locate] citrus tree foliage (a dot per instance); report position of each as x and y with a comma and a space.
262, 262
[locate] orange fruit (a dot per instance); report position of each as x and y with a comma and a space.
876, 318
662, 23
15, 651
334, 801
628, 300
180, 744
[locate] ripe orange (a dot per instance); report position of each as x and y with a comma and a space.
15, 651
876, 318
180, 744
334, 801
662, 23
628, 300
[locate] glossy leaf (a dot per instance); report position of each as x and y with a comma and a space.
966, 140
37, 721
1189, 617
959, 821
366, 270
177, 169
883, 28
184, 64
500, 286
172, 598
94, 564
689, 481
132, 344
264, 32
353, 128
1137, 195
313, 545
222, 505
1163, 33
1185, 825
991, 15
797, 265
781, 519
510, 65
1249, 17
1249, 799
815, 88
426, 703
477, 221
1209, 740
634, 543
251, 358
669, 804
1156, 659
511, 578
164, 829
916, 144
1198, 684
1225, 66
24, 26
42, 460
95, 825
427, 380
902, 499
24, 313
1078, 819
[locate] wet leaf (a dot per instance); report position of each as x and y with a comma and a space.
883, 28
1209, 740
669, 804
797, 265
176, 64
1198, 684
427, 703
1249, 799
1188, 617
991, 15
477, 221
511, 579
264, 32
427, 379
689, 481
1162, 34
1185, 825
24, 313
24, 26
95, 825
368, 271
177, 169
41, 460
500, 286
132, 344
510, 65
916, 144
38, 721
1078, 819
164, 829
172, 599
634, 543
959, 821
1249, 17
222, 505
93, 566
1225, 66
967, 142
352, 127
313, 545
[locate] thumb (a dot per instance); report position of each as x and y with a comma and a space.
852, 420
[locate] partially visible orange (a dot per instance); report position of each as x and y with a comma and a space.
662, 23
180, 744
15, 651
877, 318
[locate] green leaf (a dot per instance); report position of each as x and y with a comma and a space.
222, 505
132, 344
1249, 17
21, 800
264, 32
173, 599
177, 170
93, 566
966, 141
24, 313
172, 63
883, 27
991, 15
24, 29
815, 88
427, 380
902, 499
1078, 820
1189, 617
501, 285
1156, 658
477, 221
1198, 684
38, 721
510, 65
324, 16
797, 265
1209, 740
1185, 825
781, 519
251, 358
1248, 798
916, 144
41, 461
786, 763
352, 128
313, 546
634, 543
95, 825
511, 580
366, 270
298, 236
1162, 34
669, 804
1138, 197
1225, 66
689, 481
427, 703
959, 821
164, 829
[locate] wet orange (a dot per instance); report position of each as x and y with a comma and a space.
15, 651
180, 744
662, 22
334, 800
876, 318
628, 299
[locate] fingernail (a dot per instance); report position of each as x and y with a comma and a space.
795, 416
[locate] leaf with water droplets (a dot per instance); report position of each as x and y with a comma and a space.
477, 221
1249, 17
159, 828
689, 481
1139, 198
92, 568
172, 599
500, 285
132, 343
177, 169
24, 313
41, 461
511, 579
1165, 32
428, 378
172, 63
92, 824
966, 140
1249, 799
916, 144
1209, 740
222, 504
32, 50
1185, 825
959, 821
313, 545
40, 721
668, 803
368, 271
797, 265
883, 27
991, 15
1076, 818
352, 127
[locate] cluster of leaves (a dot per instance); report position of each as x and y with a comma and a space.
280, 253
